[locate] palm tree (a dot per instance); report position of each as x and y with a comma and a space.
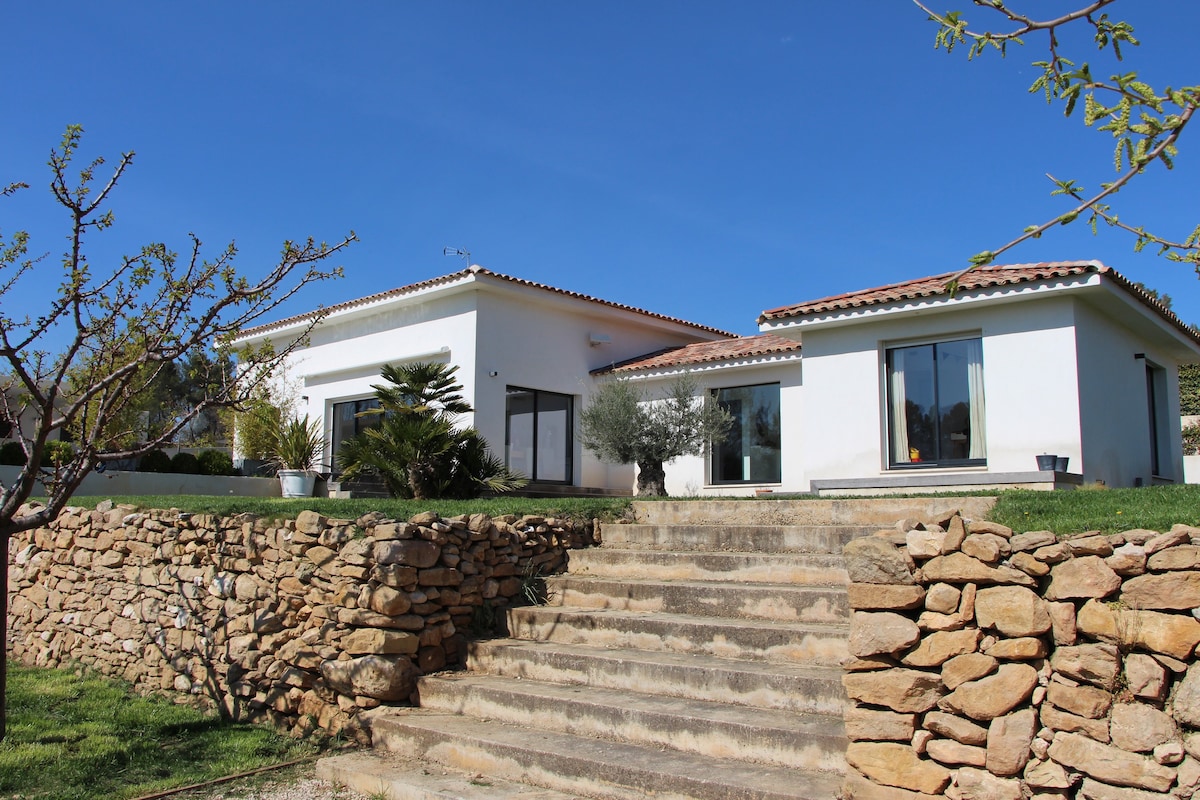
417, 450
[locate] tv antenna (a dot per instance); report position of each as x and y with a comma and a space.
465, 255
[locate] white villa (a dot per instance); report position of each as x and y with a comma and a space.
901, 387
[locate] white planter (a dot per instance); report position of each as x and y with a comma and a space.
296, 482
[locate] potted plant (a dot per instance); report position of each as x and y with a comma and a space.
296, 455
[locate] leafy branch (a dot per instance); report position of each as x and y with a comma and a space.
1146, 123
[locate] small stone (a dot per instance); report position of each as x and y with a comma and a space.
1030, 565
1169, 753
1032, 540
924, 543
1062, 623
1086, 701
1097, 664
882, 596
903, 690
978, 784
868, 724
942, 598
955, 754
1025, 648
1008, 742
870, 559
1110, 764
1145, 677
1058, 720
1013, 610
1046, 774
956, 728
1140, 728
937, 648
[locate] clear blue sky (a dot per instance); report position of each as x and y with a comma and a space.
703, 160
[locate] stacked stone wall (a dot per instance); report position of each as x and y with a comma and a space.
303, 622
988, 665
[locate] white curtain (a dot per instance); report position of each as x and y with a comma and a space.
899, 415
975, 391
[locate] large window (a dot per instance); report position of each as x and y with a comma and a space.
1156, 402
935, 404
347, 423
750, 452
538, 434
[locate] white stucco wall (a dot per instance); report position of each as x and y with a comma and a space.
1030, 385
533, 340
344, 357
1115, 408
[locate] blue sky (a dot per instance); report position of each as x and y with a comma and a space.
703, 160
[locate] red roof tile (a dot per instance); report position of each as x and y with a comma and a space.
455, 276
704, 352
981, 278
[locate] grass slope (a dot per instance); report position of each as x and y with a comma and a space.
81, 737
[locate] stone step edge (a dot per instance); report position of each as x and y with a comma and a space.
594, 767
378, 773
568, 613
691, 725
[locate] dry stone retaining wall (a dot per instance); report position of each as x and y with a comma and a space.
988, 665
304, 622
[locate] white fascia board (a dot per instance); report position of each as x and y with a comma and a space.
709, 367
1112, 299
931, 305
442, 353
356, 311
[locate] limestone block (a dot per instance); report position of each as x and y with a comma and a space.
978, 784
1031, 540
939, 647
1097, 664
987, 547
1092, 545
868, 724
1180, 534
1056, 719
924, 543
408, 552
1186, 701
1012, 610
1145, 677
1110, 764
873, 633
1175, 635
1183, 556
1008, 741
882, 596
1140, 728
956, 728
995, 695
1171, 590
903, 690
1046, 775
962, 568
387, 600
1026, 648
1127, 560
942, 598
1085, 701
1030, 565
1084, 577
955, 754
897, 765
969, 667
986, 526
872, 560
1091, 789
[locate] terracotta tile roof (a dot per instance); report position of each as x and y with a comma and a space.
982, 278
457, 276
703, 352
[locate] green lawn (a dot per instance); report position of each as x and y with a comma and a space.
1108, 510
74, 737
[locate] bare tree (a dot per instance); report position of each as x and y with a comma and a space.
122, 325
1146, 122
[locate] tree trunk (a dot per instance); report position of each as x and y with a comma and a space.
4, 539
651, 479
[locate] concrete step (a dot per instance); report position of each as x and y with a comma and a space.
738, 538
791, 687
880, 512
770, 601
789, 643
714, 729
595, 768
816, 569
379, 774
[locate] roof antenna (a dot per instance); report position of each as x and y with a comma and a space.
465, 255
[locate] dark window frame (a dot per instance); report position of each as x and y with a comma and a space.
714, 448
568, 455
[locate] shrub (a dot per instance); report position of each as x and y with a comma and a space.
1191, 439
155, 461
185, 464
11, 454
215, 462
57, 453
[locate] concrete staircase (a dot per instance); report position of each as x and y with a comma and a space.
679, 660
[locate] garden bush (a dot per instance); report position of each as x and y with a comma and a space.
215, 462
57, 453
155, 461
185, 464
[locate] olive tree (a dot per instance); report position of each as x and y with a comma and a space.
1145, 121
622, 425
121, 325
